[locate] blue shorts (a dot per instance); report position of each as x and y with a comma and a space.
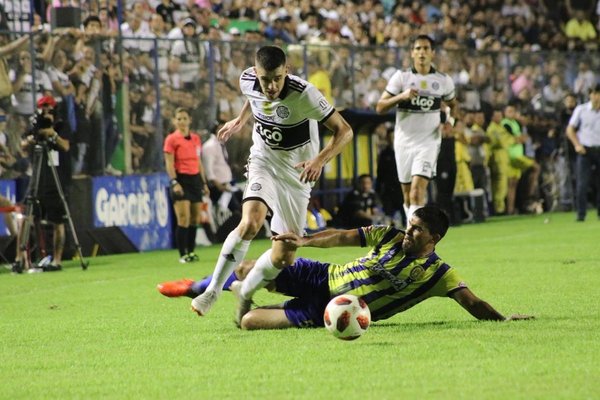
308, 282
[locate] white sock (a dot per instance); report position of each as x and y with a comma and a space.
411, 211
232, 253
406, 212
263, 272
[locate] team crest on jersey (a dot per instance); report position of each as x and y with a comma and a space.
435, 85
416, 273
423, 84
255, 187
282, 112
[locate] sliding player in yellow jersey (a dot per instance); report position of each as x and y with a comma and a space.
400, 270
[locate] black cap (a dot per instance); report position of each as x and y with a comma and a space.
189, 21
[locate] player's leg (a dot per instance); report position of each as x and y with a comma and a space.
288, 216
189, 287
406, 196
232, 253
403, 167
422, 170
266, 318
418, 194
303, 311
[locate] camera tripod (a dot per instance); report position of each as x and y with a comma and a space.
31, 199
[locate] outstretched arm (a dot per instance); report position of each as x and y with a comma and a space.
323, 239
236, 124
481, 309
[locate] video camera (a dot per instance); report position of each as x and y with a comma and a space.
38, 122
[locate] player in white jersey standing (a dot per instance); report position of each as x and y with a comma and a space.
284, 163
418, 94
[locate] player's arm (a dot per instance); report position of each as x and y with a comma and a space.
454, 109
481, 309
323, 239
342, 135
236, 124
387, 100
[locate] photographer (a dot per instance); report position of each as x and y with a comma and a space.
54, 136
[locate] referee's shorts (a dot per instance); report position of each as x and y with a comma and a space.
192, 188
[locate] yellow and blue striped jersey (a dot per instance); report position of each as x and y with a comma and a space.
389, 280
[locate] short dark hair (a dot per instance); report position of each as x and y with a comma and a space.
423, 37
90, 19
435, 218
270, 57
595, 88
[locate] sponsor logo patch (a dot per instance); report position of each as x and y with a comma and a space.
255, 187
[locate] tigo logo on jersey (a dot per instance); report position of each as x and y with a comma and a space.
425, 103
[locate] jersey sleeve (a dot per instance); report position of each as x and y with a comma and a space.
372, 235
394, 85
317, 106
450, 92
450, 282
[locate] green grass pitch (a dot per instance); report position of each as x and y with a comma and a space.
106, 333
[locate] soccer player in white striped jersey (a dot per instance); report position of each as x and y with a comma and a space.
419, 95
284, 163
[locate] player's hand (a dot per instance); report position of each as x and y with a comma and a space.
229, 129
311, 170
409, 94
289, 238
519, 317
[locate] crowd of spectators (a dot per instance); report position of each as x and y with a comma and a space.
153, 56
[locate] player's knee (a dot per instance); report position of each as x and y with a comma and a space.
249, 229
244, 268
283, 260
250, 321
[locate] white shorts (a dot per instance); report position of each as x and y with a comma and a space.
416, 161
284, 194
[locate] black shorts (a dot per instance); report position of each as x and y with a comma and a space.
51, 209
192, 187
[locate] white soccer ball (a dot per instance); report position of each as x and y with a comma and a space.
347, 317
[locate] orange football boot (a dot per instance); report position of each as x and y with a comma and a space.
178, 288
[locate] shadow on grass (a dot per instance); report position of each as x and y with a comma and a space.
417, 326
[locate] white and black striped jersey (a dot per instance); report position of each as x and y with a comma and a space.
286, 129
419, 118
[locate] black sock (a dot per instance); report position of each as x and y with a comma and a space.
191, 243
181, 234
